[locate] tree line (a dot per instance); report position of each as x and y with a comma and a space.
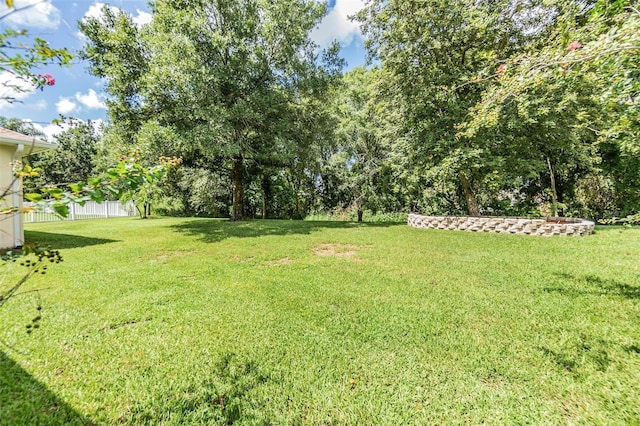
496, 107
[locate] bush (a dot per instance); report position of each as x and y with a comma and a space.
351, 215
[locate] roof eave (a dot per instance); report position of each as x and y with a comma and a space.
35, 145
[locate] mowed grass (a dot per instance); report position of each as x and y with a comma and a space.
202, 321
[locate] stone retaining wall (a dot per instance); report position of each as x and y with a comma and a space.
509, 225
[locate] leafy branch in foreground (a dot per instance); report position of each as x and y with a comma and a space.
35, 259
19, 58
127, 177
610, 53
571, 105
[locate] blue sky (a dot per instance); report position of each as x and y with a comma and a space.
78, 94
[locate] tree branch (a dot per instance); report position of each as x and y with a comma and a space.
18, 9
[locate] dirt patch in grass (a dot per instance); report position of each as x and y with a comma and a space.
347, 251
279, 262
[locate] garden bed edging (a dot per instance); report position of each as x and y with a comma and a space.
505, 225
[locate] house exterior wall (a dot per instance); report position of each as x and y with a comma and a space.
7, 224
14, 146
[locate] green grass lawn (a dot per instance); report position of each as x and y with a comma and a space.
202, 321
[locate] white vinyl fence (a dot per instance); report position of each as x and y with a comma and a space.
91, 210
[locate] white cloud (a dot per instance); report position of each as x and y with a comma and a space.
33, 14
91, 100
337, 25
13, 87
80, 36
142, 18
51, 130
65, 106
98, 126
95, 10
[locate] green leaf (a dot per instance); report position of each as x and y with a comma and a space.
97, 196
95, 181
60, 209
76, 187
33, 197
56, 193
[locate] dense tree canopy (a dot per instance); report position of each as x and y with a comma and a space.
228, 85
485, 107
578, 93
74, 159
509, 97
431, 51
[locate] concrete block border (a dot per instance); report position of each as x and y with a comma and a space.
505, 225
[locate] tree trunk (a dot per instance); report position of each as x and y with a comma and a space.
238, 190
264, 205
266, 195
360, 213
554, 191
470, 197
327, 190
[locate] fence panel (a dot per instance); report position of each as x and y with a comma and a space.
90, 210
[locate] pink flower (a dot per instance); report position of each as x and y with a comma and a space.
501, 68
574, 45
45, 80
49, 80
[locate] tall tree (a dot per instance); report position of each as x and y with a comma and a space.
437, 55
74, 159
228, 79
357, 173
572, 101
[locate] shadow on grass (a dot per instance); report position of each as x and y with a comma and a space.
591, 285
63, 241
25, 400
235, 392
215, 230
635, 349
583, 356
